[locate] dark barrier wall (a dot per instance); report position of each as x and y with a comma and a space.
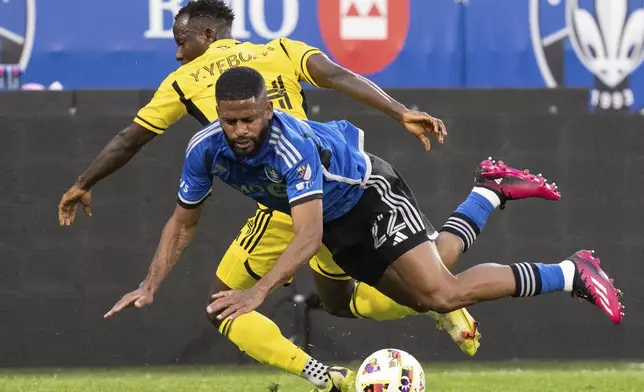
56, 284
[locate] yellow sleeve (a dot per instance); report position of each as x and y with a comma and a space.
163, 110
299, 52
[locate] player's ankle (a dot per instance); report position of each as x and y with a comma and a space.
316, 373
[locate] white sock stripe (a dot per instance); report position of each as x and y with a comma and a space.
489, 195
465, 224
415, 216
386, 198
524, 279
457, 225
568, 268
531, 279
533, 282
464, 233
463, 236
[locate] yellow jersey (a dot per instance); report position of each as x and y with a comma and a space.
191, 88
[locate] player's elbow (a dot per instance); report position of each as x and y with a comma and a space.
326, 73
315, 239
339, 76
131, 139
312, 238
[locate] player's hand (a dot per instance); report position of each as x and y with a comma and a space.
421, 124
139, 298
235, 303
69, 202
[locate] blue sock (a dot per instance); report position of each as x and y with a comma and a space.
471, 216
537, 278
477, 208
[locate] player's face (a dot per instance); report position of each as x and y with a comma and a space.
192, 39
245, 124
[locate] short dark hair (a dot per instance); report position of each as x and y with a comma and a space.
238, 84
215, 10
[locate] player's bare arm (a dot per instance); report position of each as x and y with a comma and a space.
114, 155
175, 238
327, 74
307, 225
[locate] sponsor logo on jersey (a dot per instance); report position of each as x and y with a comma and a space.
305, 172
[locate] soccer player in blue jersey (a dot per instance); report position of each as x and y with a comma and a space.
359, 206
352, 201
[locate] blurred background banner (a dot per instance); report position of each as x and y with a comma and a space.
553, 85
128, 44
56, 283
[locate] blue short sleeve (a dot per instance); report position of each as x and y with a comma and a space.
196, 179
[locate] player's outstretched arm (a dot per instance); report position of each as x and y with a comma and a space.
327, 74
176, 236
113, 156
307, 224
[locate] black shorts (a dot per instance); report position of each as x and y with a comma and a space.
385, 224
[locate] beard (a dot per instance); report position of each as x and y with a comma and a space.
247, 146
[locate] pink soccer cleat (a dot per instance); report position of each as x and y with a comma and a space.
513, 184
592, 284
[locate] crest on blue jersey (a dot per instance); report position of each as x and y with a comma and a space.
272, 174
597, 44
218, 169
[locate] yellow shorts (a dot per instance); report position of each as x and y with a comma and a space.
258, 246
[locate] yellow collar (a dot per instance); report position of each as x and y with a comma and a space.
223, 44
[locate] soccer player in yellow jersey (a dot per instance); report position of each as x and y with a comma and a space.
206, 48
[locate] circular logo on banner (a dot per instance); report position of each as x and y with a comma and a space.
606, 38
17, 31
364, 35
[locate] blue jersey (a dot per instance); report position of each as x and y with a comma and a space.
299, 161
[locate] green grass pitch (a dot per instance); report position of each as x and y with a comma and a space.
486, 377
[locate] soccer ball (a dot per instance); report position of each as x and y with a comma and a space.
390, 370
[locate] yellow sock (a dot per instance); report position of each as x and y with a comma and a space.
368, 302
261, 338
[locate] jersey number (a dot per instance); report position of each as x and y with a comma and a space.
278, 94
